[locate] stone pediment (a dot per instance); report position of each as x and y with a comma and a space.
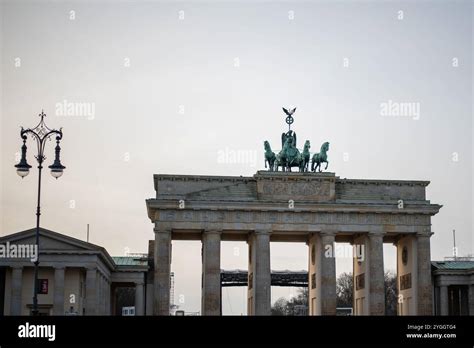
49, 240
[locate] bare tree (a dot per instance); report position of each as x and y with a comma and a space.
390, 280
283, 306
344, 293
344, 290
279, 307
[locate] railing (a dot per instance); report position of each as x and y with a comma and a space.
137, 255
459, 258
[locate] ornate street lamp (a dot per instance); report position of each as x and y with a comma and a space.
40, 134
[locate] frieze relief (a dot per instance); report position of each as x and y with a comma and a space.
319, 190
313, 188
292, 217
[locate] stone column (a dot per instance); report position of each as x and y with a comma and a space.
376, 285
443, 300
139, 296
16, 286
107, 297
162, 272
91, 292
99, 293
211, 273
58, 301
361, 275
407, 274
102, 294
425, 294
314, 268
328, 274
113, 292
259, 282
149, 299
471, 299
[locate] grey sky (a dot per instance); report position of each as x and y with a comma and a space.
182, 92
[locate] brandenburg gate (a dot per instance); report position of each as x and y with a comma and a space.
318, 209
308, 206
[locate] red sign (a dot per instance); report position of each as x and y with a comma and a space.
43, 286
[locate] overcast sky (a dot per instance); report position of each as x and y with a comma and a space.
181, 87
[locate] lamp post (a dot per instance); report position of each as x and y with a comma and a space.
40, 134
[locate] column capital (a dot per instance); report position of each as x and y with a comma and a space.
327, 233
162, 227
161, 230
59, 268
262, 231
139, 283
424, 234
375, 237
375, 234
17, 267
212, 231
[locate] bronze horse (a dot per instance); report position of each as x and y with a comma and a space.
320, 157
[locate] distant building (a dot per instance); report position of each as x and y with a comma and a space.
453, 286
76, 277
128, 311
